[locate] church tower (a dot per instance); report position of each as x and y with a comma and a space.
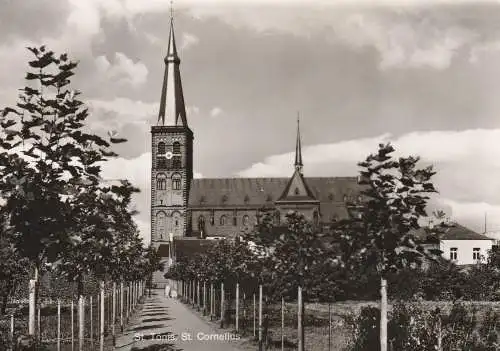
172, 155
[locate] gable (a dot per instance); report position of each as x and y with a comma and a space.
297, 190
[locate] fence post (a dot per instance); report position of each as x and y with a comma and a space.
329, 326
260, 316
113, 319
440, 335
237, 307
72, 325
101, 331
31, 318
282, 323
383, 314
211, 300
91, 323
81, 321
222, 304
12, 331
121, 306
39, 322
199, 295
204, 298
300, 320
254, 313
58, 325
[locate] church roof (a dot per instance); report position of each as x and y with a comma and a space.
331, 192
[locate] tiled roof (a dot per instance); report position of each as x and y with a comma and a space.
215, 192
454, 232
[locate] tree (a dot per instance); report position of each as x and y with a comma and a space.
45, 154
383, 233
13, 267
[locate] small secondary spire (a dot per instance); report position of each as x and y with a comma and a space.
298, 148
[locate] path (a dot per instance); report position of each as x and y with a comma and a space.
165, 324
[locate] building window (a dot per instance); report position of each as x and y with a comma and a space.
235, 221
176, 222
331, 197
212, 217
161, 163
161, 224
277, 218
176, 162
476, 254
297, 191
176, 182
222, 220
161, 148
454, 253
176, 148
245, 220
161, 182
246, 200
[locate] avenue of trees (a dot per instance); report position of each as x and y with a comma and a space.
57, 213
371, 255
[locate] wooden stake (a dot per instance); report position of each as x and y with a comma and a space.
101, 332
300, 320
260, 314
31, 318
81, 322
237, 306
72, 326
383, 314
282, 324
58, 325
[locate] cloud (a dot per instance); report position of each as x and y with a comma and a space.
123, 70
467, 164
188, 40
114, 114
216, 111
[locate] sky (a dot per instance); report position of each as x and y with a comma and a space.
424, 75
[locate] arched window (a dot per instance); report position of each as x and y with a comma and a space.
161, 224
212, 217
161, 148
176, 162
235, 220
222, 220
161, 162
176, 148
161, 182
245, 220
176, 182
277, 218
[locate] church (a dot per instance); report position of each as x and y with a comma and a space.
184, 208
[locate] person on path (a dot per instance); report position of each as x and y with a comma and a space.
167, 290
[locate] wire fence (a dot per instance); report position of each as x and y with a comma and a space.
273, 325
89, 322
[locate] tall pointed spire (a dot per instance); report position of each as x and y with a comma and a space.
298, 149
172, 108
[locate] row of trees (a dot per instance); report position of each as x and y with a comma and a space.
379, 234
57, 212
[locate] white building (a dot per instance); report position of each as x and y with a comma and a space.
464, 246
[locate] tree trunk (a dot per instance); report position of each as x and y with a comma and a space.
81, 316
300, 319
383, 314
